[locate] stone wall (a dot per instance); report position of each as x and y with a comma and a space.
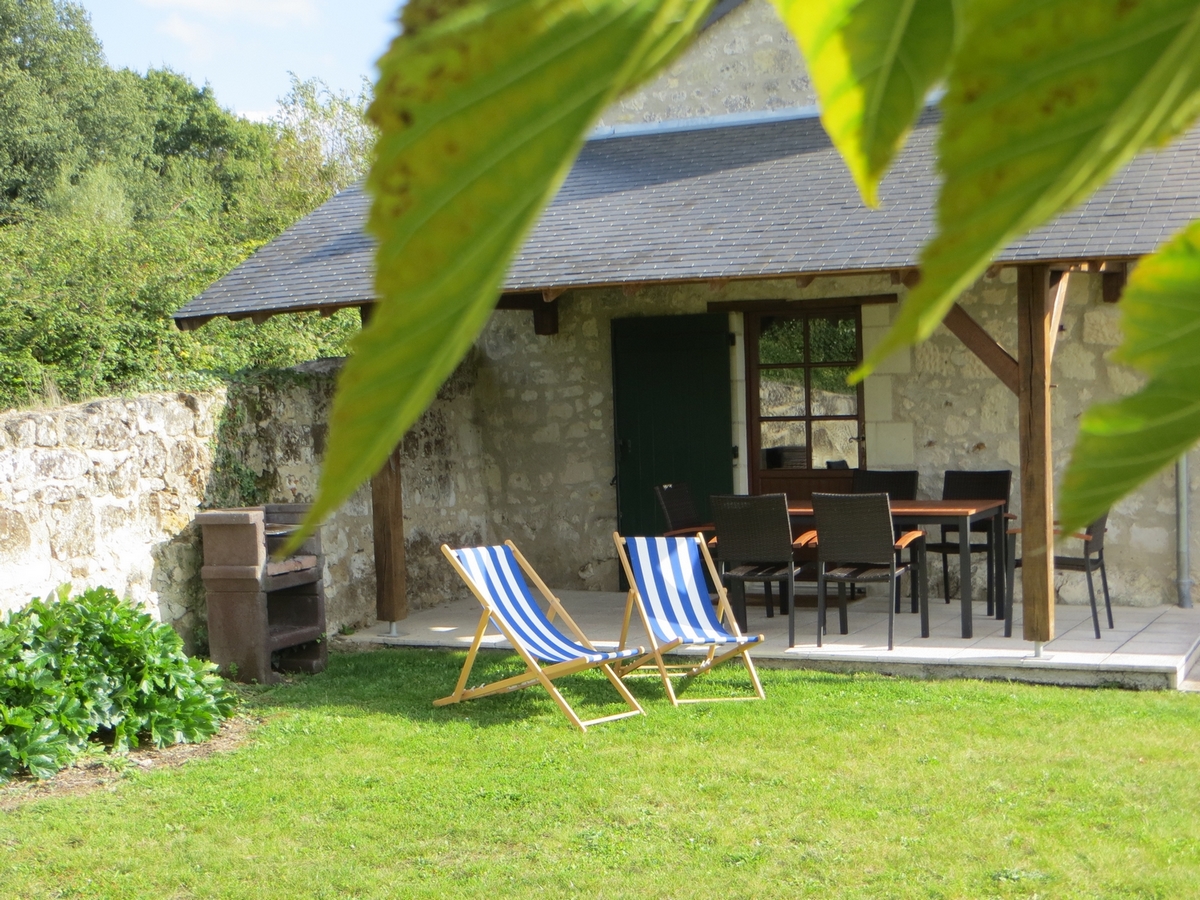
104, 493
747, 61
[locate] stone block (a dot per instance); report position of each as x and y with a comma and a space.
61, 465
73, 530
14, 534
877, 398
890, 444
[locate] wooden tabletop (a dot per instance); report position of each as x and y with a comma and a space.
920, 507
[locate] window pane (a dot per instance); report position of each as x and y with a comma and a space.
833, 340
781, 341
781, 392
783, 445
831, 395
835, 440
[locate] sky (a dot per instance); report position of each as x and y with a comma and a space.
245, 48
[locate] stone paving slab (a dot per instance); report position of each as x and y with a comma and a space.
1151, 647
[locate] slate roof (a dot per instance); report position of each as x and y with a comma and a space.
747, 200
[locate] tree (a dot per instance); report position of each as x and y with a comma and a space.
483, 105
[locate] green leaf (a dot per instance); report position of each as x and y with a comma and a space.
1123, 444
872, 63
481, 114
1046, 100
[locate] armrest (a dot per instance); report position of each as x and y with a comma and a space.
1012, 516
908, 537
808, 539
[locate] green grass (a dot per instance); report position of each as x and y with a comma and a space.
834, 787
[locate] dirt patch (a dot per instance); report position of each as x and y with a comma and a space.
93, 773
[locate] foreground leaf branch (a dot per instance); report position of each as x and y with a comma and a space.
872, 63
1122, 445
1045, 101
481, 113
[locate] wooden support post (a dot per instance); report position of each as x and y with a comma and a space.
1037, 485
387, 515
387, 520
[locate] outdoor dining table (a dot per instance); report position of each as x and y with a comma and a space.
962, 513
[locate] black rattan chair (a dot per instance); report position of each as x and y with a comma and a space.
1091, 561
960, 485
855, 545
679, 509
898, 485
754, 541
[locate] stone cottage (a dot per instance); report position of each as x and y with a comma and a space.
707, 218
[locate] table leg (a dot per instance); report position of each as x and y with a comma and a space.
739, 605
998, 526
922, 575
964, 574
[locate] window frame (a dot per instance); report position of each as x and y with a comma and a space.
754, 417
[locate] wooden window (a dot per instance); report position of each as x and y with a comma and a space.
802, 414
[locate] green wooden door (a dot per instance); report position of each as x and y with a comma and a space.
671, 393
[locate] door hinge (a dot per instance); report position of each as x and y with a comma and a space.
736, 451
732, 339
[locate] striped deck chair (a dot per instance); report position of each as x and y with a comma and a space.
494, 576
667, 587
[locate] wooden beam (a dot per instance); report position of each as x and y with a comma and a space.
1113, 282
1056, 310
545, 318
387, 516
983, 345
1037, 499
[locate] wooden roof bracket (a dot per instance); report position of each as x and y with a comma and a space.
983, 345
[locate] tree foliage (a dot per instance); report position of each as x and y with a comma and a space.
123, 195
483, 104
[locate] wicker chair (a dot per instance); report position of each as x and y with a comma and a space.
959, 485
898, 485
754, 539
679, 509
1091, 561
855, 545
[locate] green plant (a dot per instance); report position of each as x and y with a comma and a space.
95, 667
482, 106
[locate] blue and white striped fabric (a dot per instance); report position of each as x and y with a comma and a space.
670, 578
496, 574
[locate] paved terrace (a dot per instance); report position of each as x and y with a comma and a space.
1150, 648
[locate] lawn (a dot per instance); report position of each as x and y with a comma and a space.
836, 786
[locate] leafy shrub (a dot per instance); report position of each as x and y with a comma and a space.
94, 667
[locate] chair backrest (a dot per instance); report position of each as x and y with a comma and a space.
753, 529
966, 485
669, 575
898, 485
495, 573
677, 505
1096, 532
854, 528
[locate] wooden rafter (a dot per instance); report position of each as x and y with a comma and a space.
983, 345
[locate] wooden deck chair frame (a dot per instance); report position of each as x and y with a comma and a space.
713, 658
535, 673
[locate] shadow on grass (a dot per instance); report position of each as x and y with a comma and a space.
405, 682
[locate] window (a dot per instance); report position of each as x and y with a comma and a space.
803, 415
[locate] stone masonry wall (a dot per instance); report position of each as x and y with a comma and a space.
104, 493
746, 61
